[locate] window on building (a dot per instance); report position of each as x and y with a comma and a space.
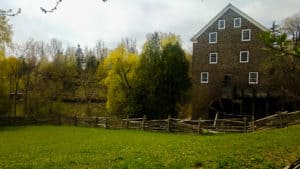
204, 77
213, 58
237, 22
244, 56
213, 37
253, 77
221, 24
246, 35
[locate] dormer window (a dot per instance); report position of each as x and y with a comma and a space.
221, 24
246, 34
213, 37
237, 22
244, 56
213, 58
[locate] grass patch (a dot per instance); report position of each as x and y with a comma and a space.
76, 147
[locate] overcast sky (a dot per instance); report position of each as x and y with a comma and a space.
86, 21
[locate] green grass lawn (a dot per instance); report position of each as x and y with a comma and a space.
76, 147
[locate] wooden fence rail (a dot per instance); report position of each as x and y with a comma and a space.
190, 126
240, 124
278, 120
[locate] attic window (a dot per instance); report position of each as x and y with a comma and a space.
246, 34
244, 56
204, 77
221, 24
237, 22
213, 37
253, 77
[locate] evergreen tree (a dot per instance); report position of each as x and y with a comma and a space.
162, 77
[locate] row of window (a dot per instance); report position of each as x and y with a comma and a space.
253, 77
244, 57
236, 23
246, 36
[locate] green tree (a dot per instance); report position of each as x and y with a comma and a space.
282, 65
162, 77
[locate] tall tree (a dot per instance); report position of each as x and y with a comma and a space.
162, 77
5, 38
291, 26
121, 74
6, 33
282, 65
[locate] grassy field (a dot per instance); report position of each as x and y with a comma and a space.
76, 147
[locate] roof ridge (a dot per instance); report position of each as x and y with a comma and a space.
225, 9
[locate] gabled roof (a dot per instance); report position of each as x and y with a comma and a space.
229, 6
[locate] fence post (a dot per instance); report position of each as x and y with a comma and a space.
127, 121
199, 126
280, 118
75, 120
97, 121
169, 124
253, 123
106, 123
143, 122
216, 119
245, 125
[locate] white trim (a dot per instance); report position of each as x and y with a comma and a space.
210, 35
221, 20
256, 79
234, 25
206, 81
229, 6
245, 40
241, 56
213, 53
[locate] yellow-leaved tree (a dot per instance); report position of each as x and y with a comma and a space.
121, 66
5, 39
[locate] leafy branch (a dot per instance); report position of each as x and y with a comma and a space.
280, 44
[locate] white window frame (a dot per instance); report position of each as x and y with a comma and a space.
202, 80
210, 56
244, 30
234, 22
219, 24
209, 39
241, 61
256, 80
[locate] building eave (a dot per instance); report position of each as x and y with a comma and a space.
229, 6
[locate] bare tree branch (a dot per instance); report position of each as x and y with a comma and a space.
9, 12
55, 7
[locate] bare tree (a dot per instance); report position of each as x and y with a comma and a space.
291, 26
100, 50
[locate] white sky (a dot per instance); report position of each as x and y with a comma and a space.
86, 21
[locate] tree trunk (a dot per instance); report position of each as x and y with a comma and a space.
15, 95
26, 96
